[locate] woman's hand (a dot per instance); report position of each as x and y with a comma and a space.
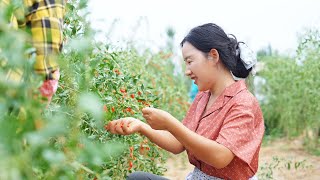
157, 118
125, 126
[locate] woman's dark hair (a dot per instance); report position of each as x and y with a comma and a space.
211, 36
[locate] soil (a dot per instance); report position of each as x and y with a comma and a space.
279, 159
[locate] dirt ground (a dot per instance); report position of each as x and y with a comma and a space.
280, 160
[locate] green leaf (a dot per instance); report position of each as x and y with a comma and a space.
54, 157
91, 104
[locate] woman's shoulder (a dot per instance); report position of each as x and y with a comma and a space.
246, 98
245, 102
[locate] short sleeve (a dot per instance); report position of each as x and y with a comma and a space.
238, 132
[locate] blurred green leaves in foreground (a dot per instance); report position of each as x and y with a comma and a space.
67, 139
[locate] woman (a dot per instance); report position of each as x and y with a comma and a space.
223, 129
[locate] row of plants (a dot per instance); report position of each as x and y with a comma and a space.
291, 92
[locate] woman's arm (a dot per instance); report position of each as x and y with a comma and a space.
164, 139
204, 149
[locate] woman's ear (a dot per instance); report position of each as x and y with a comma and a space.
213, 55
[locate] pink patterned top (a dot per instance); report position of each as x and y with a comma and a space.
235, 120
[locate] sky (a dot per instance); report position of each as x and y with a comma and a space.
256, 22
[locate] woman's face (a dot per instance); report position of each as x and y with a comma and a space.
198, 67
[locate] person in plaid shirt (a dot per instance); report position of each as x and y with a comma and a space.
43, 19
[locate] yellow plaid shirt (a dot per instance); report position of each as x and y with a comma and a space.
44, 20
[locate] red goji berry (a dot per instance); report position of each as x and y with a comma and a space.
130, 165
128, 109
122, 90
117, 71
143, 150
132, 96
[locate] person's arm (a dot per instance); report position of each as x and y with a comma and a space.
204, 149
164, 139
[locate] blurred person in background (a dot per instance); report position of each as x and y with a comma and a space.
43, 20
193, 91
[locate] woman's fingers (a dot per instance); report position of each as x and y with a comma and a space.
123, 126
146, 116
127, 127
118, 128
111, 127
146, 111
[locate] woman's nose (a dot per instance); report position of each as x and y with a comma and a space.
187, 72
